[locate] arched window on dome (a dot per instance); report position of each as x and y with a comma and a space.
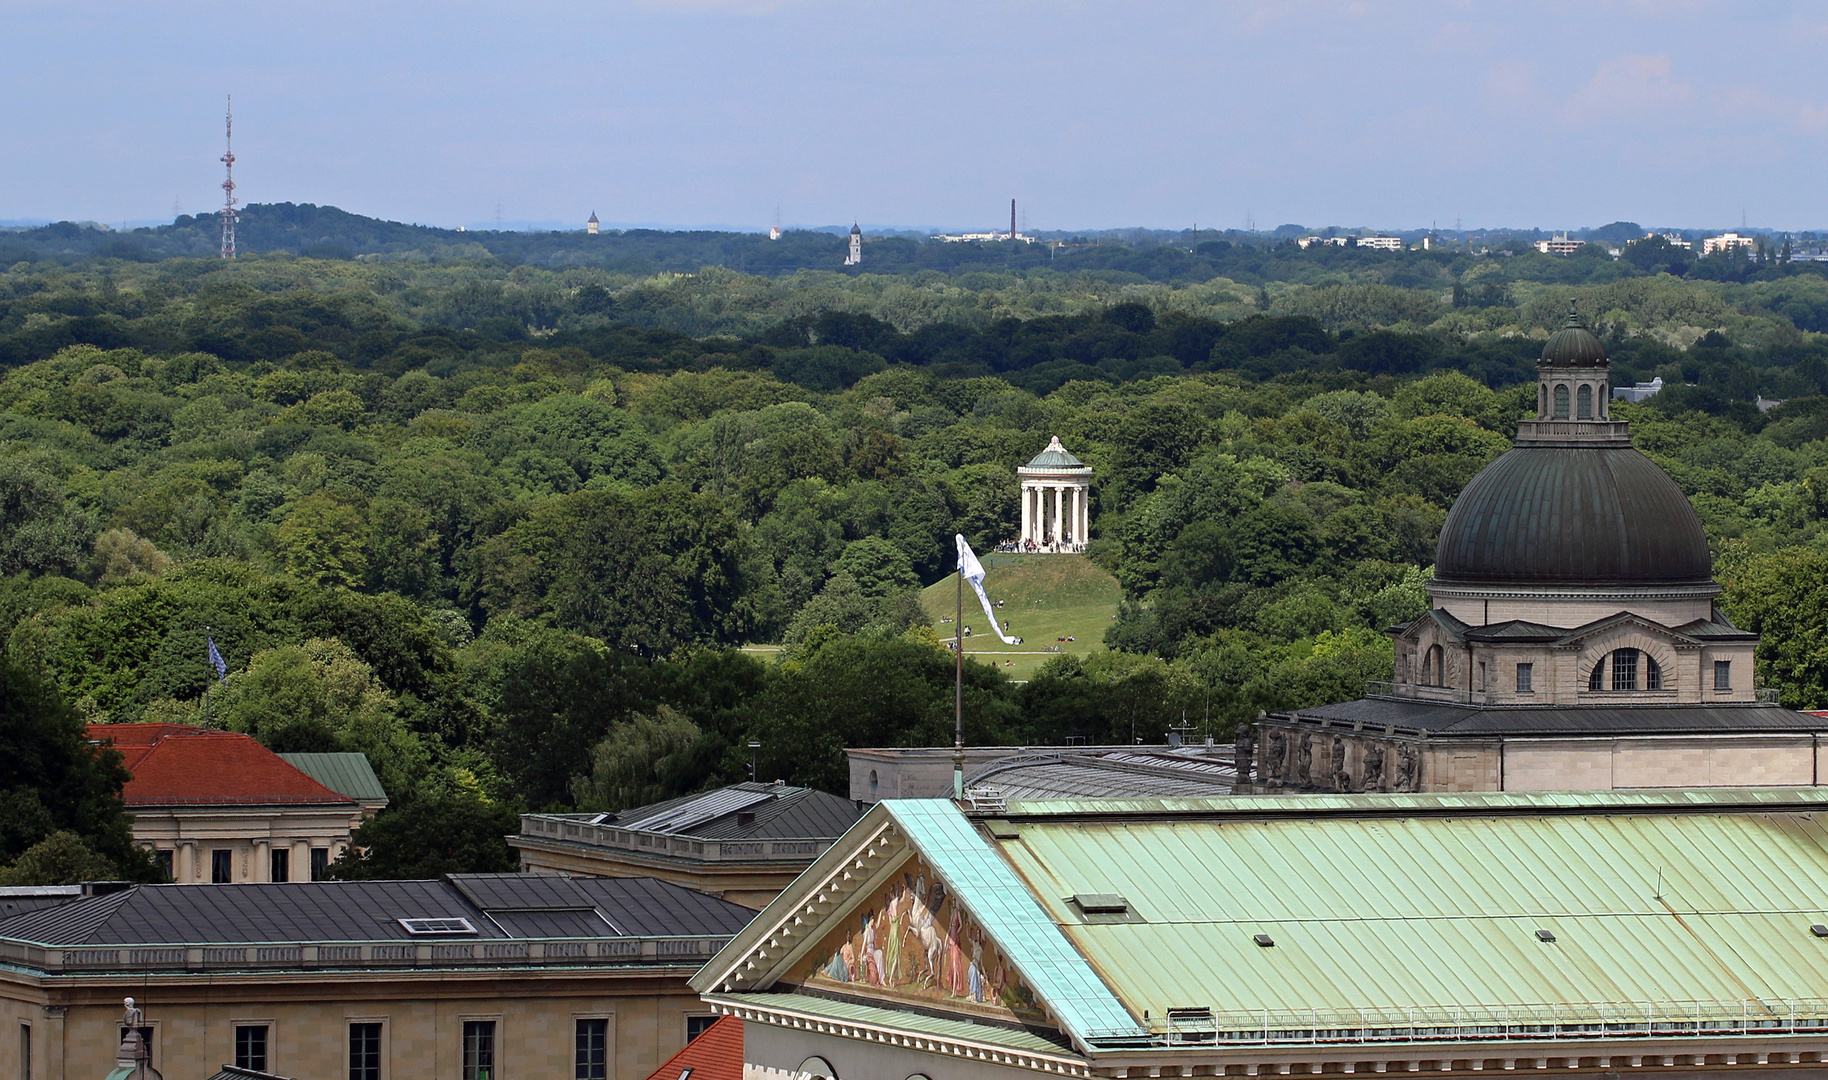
1625, 669
1585, 398
1561, 402
1596, 681
1432, 673
1653, 674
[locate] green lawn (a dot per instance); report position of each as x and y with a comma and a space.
1045, 598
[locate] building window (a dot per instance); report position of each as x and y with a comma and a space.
221, 866
479, 1050
320, 863
251, 1047
164, 858
365, 1052
1586, 402
1723, 674
1561, 402
593, 1049
1653, 673
1432, 665
698, 1025
25, 1052
1525, 673
872, 783
281, 865
1624, 669
1597, 680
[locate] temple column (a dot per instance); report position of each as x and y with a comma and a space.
1056, 532
1024, 533
1084, 532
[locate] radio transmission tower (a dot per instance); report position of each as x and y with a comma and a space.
229, 217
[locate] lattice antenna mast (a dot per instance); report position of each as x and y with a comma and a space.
229, 217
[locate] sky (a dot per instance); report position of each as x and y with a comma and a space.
1092, 113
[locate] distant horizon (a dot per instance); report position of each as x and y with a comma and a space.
550, 225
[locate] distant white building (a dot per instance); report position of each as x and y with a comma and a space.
774, 232
1727, 242
590, 226
855, 258
965, 238
1560, 245
1335, 241
1638, 392
1381, 243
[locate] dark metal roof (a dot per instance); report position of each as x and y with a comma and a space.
1055, 456
1440, 719
1515, 630
1567, 516
17, 900
745, 812
1574, 345
370, 910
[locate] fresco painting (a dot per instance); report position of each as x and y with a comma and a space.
913, 940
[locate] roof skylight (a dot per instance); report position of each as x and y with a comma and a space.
437, 927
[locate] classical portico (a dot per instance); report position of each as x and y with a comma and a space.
1056, 501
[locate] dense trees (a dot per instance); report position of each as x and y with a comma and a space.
504, 531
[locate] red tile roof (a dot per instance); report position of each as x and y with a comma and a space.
717, 1054
180, 765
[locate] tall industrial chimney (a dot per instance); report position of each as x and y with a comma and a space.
1012, 219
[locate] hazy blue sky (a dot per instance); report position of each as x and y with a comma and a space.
933, 112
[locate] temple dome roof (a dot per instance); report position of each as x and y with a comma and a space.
1055, 457
1573, 516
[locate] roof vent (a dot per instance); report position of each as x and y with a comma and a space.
1264, 940
1819, 930
1003, 829
1101, 904
1544, 936
437, 927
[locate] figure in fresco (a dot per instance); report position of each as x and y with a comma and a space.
892, 942
842, 967
977, 964
956, 983
872, 952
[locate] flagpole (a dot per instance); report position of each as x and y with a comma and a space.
207, 636
958, 686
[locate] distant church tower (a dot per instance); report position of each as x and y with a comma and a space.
590, 226
856, 255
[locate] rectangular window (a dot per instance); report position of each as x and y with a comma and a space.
320, 862
25, 1052
164, 857
1482, 675
696, 1025
1526, 674
1723, 674
364, 1052
479, 1050
593, 1050
1625, 669
251, 1047
221, 866
280, 865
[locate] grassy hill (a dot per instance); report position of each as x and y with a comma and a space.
1045, 598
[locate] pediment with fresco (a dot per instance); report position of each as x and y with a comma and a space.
912, 942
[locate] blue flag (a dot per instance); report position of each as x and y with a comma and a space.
216, 661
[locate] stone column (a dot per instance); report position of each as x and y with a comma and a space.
262, 870
187, 862
1024, 533
1084, 531
300, 870
1056, 529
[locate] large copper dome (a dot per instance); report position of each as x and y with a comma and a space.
1571, 516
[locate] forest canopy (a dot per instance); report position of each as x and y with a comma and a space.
506, 526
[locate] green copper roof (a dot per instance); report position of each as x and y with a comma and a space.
1055, 457
1002, 904
1660, 902
348, 775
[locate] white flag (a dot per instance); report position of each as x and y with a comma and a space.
973, 571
